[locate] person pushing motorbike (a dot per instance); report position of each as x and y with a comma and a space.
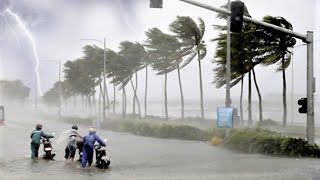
74, 138
35, 140
88, 147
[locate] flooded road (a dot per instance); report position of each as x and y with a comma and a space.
135, 157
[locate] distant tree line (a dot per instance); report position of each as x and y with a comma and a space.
13, 91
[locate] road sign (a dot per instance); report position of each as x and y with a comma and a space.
225, 117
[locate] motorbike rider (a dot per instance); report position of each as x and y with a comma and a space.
71, 147
88, 147
35, 140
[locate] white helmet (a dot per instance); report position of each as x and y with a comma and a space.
92, 130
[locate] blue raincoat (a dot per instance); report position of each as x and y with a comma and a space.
88, 148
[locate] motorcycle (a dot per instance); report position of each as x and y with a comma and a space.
47, 148
102, 160
80, 147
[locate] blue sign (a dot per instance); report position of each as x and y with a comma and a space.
224, 117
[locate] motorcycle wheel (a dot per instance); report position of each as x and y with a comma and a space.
48, 154
106, 164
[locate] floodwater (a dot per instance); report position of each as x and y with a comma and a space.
135, 157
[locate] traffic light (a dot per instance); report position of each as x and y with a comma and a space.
156, 3
303, 102
236, 18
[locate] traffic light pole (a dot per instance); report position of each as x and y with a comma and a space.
228, 68
305, 38
310, 90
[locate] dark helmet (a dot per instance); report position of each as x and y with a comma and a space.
38, 127
74, 127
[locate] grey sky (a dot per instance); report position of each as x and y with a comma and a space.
59, 25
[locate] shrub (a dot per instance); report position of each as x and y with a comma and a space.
244, 140
266, 123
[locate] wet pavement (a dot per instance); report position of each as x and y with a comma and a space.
135, 157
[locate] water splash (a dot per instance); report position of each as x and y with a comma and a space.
34, 47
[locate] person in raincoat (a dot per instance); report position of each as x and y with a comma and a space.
88, 147
35, 140
71, 147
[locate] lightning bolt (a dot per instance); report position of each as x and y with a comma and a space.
5, 18
34, 47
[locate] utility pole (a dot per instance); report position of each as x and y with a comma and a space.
59, 113
228, 68
310, 89
35, 93
104, 81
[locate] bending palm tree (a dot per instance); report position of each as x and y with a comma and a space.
276, 50
190, 35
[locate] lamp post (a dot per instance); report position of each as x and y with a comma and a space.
104, 79
59, 87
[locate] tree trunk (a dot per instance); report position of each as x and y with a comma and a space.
136, 97
145, 93
107, 95
74, 101
134, 100
66, 103
181, 94
135, 92
100, 98
114, 98
82, 103
249, 101
259, 95
284, 96
241, 106
165, 97
90, 106
94, 102
124, 101
201, 88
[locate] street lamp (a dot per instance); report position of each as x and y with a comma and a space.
59, 75
104, 78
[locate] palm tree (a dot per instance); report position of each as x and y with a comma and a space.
134, 53
245, 57
276, 50
120, 72
162, 50
78, 76
190, 36
94, 56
